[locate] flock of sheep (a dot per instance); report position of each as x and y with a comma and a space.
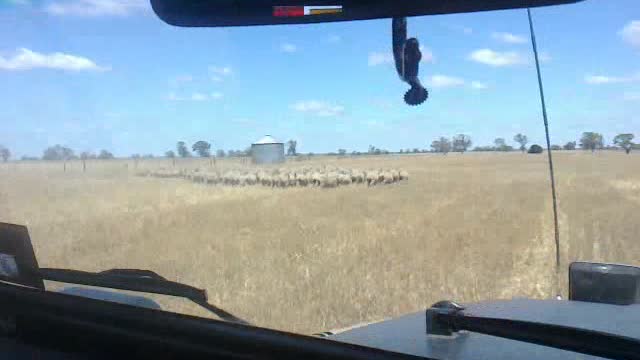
326, 177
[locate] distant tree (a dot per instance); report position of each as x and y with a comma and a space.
148, 156
220, 153
556, 147
461, 143
625, 141
442, 145
522, 140
342, 152
5, 154
484, 148
571, 145
135, 156
535, 149
29, 158
501, 145
591, 141
401, 151
415, 150
182, 149
58, 152
202, 148
291, 147
104, 155
171, 155
85, 155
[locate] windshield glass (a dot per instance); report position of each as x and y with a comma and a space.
280, 169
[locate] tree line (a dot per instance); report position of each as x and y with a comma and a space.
588, 141
460, 143
202, 149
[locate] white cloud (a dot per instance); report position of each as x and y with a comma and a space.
181, 79
385, 58
380, 58
497, 58
509, 38
221, 70
90, 8
631, 96
605, 79
459, 28
544, 57
427, 54
319, 108
25, 59
478, 85
334, 39
196, 96
173, 97
288, 48
631, 33
218, 73
444, 81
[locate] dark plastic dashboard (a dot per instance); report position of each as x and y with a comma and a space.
41, 324
407, 334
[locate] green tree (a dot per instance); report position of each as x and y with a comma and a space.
625, 141
591, 141
571, 145
202, 148
442, 145
220, 153
58, 152
104, 154
522, 140
500, 144
535, 149
182, 149
342, 152
5, 154
291, 147
461, 143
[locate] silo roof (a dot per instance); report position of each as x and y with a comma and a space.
267, 139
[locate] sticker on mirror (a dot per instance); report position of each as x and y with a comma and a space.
294, 11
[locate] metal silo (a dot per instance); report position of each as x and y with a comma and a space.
267, 151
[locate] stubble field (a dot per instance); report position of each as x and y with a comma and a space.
464, 227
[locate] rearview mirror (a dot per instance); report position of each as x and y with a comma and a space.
216, 13
604, 283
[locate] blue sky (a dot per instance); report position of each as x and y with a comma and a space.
108, 74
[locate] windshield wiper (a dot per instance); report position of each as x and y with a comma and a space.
137, 280
446, 317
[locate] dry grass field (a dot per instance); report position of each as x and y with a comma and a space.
464, 227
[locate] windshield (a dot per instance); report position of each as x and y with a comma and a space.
280, 168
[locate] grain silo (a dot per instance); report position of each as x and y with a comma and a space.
267, 151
